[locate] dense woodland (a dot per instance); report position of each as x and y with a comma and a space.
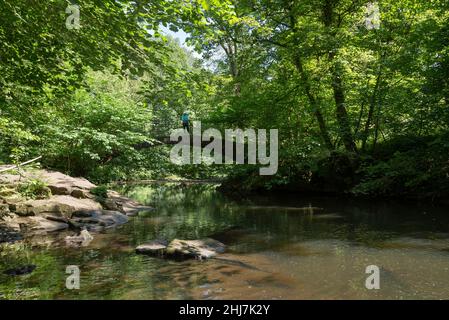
359, 110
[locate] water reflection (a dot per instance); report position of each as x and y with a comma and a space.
275, 251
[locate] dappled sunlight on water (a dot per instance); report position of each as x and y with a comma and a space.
275, 250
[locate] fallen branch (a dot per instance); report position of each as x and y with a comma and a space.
20, 165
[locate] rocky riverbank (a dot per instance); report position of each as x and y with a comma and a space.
42, 201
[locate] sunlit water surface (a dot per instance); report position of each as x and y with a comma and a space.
273, 252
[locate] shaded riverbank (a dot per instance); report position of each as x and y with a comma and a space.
407, 167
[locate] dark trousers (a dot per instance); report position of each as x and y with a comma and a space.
185, 125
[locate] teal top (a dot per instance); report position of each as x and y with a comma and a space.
185, 117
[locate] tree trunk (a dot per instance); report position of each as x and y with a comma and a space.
377, 127
307, 88
337, 82
316, 109
230, 48
342, 115
369, 119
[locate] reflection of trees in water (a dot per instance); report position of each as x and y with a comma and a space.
198, 210
190, 212
112, 270
106, 276
38, 284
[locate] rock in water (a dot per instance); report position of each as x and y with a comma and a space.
125, 205
98, 220
86, 235
9, 235
198, 249
153, 248
20, 270
83, 239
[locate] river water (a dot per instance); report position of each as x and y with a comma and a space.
274, 250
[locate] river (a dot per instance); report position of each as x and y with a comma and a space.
274, 250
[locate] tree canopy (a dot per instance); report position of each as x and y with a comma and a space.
358, 90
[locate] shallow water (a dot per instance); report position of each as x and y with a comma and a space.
274, 251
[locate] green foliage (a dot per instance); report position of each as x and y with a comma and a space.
40, 53
420, 170
100, 122
100, 191
337, 92
34, 189
14, 138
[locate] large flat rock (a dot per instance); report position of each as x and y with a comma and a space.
7, 178
61, 184
58, 183
41, 224
57, 205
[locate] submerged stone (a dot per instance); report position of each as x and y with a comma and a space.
98, 220
197, 249
20, 270
127, 206
9, 235
182, 249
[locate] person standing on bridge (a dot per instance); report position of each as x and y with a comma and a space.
185, 121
